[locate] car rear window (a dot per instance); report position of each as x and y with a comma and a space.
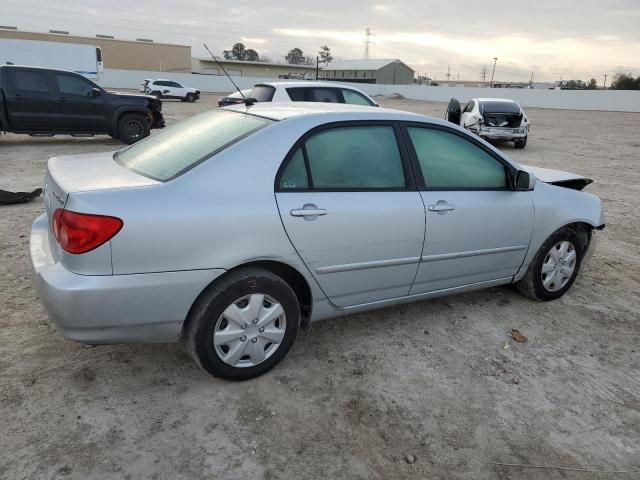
181, 147
499, 107
262, 93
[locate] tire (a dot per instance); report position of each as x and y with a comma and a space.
133, 127
191, 97
520, 142
157, 94
532, 285
232, 304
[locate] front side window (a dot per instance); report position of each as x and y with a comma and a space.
184, 145
31, 81
354, 98
449, 161
348, 158
174, 84
72, 85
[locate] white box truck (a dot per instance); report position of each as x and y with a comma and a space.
79, 58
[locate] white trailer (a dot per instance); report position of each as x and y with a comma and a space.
80, 58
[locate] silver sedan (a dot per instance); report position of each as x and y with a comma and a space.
234, 228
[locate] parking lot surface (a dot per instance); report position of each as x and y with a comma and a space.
431, 390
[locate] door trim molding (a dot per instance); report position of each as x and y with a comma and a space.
472, 253
348, 267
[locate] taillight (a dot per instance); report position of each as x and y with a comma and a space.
83, 232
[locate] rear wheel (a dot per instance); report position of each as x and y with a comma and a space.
244, 325
520, 142
133, 127
554, 267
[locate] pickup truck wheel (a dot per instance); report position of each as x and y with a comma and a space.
520, 142
157, 94
191, 97
554, 267
133, 127
243, 325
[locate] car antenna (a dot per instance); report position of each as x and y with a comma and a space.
247, 101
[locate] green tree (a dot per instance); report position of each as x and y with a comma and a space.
625, 81
237, 52
252, 55
325, 55
592, 84
295, 56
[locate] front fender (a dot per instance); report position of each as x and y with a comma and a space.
556, 207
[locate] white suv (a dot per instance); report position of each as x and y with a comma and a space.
162, 88
310, 92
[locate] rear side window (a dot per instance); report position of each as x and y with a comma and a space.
347, 158
355, 98
31, 81
327, 95
449, 161
181, 147
297, 94
263, 93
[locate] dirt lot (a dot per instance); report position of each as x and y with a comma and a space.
438, 381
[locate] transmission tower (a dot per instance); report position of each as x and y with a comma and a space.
483, 73
367, 42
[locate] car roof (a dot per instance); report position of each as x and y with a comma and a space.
339, 111
507, 100
308, 83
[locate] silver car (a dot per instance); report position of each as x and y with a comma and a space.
234, 228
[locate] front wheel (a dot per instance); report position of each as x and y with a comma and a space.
554, 267
133, 127
191, 97
244, 325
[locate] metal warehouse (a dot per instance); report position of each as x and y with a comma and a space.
385, 71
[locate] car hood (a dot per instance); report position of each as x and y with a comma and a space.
559, 178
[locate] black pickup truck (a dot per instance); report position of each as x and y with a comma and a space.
40, 101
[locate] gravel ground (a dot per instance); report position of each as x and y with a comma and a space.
432, 390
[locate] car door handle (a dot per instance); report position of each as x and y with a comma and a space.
441, 206
308, 211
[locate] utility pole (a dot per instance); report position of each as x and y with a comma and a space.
317, 66
495, 60
448, 72
458, 77
483, 73
605, 81
367, 42
531, 81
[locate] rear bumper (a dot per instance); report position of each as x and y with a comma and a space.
503, 133
102, 309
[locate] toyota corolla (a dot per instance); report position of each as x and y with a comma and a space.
233, 228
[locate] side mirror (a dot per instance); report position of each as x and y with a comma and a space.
96, 92
525, 180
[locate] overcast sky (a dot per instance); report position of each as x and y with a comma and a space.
553, 38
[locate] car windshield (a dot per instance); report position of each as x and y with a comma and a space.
500, 107
181, 147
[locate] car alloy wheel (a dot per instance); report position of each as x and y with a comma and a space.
558, 266
249, 331
134, 129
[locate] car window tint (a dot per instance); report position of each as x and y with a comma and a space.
297, 94
450, 161
355, 98
295, 173
262, 93
355, 157
327, 95
176, 149
29, 80
72, 85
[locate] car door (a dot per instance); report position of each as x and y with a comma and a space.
350, 208
30, 100
177, 90
78, 107
477, 228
